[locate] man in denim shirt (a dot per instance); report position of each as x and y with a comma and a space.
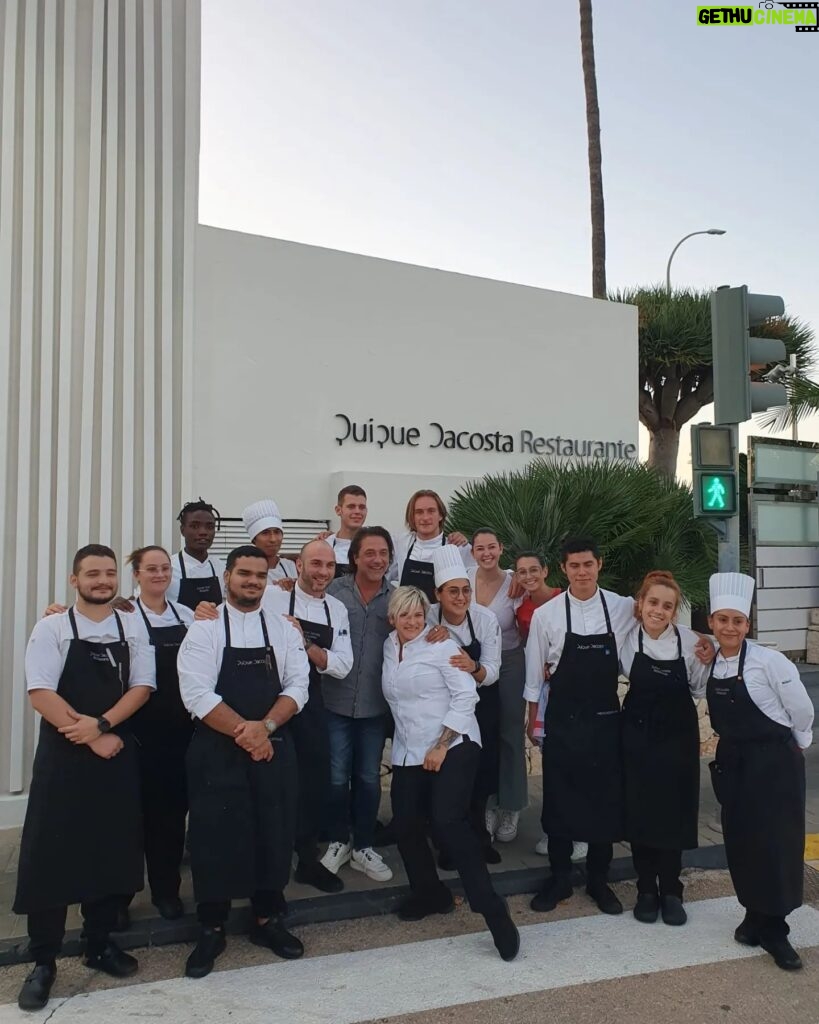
356, 709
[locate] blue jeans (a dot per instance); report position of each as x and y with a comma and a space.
356, 745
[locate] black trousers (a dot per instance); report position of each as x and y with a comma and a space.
598, 858
46, 928
164, 808
658, 871
766, 925
312, 741
442, 798
265, 903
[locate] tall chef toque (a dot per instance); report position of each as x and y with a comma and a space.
260, 516
448, 564
732, 591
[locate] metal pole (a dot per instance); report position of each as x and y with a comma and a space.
794, 425
708, 231
728, 539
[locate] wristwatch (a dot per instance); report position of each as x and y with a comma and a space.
307, 644
271, 726
103, 725
477, 667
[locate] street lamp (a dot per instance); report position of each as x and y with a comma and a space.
708, 231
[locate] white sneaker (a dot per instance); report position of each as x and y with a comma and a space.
337, 856
492, 820
371, 863
542, 846
507, 830
579, 851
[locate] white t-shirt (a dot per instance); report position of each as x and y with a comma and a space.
504, 608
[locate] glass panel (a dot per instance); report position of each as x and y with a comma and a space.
773, 463
787, 523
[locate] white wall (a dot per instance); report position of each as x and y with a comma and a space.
289, 335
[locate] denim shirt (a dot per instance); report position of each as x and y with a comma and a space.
359, 695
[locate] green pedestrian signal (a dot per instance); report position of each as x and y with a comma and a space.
718, 494
714, 471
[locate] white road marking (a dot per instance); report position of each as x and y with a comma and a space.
346, 988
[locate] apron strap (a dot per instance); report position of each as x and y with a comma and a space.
605, 610
148, 626
410, 548
175, 612
640, 639
740, 667
120, 630
227, 625
212, 568
679, 643
182, 566
268, 650
568, 615
471, 627
293, 606
73, 622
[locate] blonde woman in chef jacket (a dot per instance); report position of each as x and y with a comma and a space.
763, 716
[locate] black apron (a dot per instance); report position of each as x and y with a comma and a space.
82, 838
312, 742
487, 712
420, 574
342, 570
193, 589
759, 780
582, 756
164, 715
661, 754
242, 812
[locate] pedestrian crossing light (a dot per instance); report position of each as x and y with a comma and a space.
735, 354
718, 496
713, 458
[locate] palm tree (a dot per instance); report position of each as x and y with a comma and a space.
675, 362
642, 519
598, 213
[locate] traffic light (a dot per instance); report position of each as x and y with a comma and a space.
736, 353
713, 458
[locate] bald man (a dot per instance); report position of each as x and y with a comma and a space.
323, 622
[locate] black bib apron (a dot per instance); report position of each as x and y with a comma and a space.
242, 812
342, 570
420, 574
193, 589
759, 780
82, 838
582, 756
661, 754
312, 742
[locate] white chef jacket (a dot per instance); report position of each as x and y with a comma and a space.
48, 648
664, 648
340, 656
487, 630
341, 549
195, 570
422, 551
774, 685
285, 570
167, 618
504, 608
426, 694
548, 631
200, 657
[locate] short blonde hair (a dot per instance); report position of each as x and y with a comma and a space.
406, 599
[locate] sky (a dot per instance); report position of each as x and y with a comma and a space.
452, 134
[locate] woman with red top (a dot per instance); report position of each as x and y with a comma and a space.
531, 573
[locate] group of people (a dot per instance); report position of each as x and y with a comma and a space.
251, 702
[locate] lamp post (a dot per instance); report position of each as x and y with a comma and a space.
708, 231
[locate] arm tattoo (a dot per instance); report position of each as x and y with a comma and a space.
447, 738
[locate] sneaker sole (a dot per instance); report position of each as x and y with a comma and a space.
375, 878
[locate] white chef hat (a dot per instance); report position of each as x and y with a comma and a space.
448, 564
261, 515
733, 591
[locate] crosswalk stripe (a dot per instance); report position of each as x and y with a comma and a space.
346, 988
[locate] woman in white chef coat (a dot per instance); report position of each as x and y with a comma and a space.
435, 755
477, 632
497, 589
424, 517
763, 716
661, 747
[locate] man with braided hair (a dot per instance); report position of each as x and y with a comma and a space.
197, 576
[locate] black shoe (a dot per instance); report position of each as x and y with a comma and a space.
555, 890
504, 934
647, 907
491, 855
211, 943
384, 834
314, 873
746, 935
37, 987
445, 862
785, 956
112, 961
415, 909
123, 921
275, 937
673, 911
169, 907
605, 899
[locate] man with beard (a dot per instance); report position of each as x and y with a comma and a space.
243, 675
86, 673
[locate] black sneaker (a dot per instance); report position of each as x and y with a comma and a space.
556, 889
445, 862
785, 956
211, 943
37, 987
275, 937
415, 909
504, 934
746, 934
111, 960
604, 897
170, 908
316, 874
647, 907
491, 855
672, 910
